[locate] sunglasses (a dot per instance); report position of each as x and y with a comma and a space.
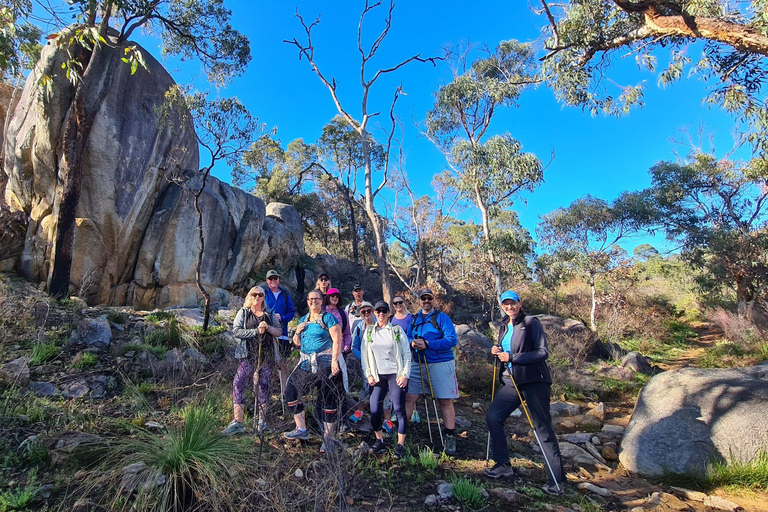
382, 311
334, 296
366, 311
314, 300
426, 299
324, 279
257, 295
273, 278
397, 303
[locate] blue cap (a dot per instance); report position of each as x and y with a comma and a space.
510, 295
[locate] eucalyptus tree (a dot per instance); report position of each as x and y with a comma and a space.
197, 29
551, 272
585, 38
584, 236
19, 39
489, 172
360, 123
717, 210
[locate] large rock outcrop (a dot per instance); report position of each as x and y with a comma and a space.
685, 419
136, 241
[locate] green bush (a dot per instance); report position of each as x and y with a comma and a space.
44, 352
723, 355
468, 493
85, 360
428, 459
20, 499
116, 317
166, 336
159, 316
211, 331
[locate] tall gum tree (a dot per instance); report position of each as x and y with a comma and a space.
188, 28
489, 172
361, 124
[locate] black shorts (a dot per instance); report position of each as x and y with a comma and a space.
285, 347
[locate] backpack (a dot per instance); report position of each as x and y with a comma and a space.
433, 320
320, 321
369, 335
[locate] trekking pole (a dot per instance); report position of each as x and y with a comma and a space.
493, 394
530, 422
424, 390
256, 378
434, 403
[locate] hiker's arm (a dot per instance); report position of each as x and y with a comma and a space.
275, 329
290, 309
335, 332
357, 340
449, 339
540, 351
238, 327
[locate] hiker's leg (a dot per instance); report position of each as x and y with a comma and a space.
504, 403
537, 397
239, 388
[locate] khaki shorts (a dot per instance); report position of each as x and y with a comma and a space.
442, 375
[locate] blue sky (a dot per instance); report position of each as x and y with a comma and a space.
600, 156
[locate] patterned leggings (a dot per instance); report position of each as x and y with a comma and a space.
245, 373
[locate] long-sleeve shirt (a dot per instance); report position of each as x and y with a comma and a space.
440, 344
282, 305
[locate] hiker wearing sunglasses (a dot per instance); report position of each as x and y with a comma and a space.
319, 336
522, 353
402, 316
386, 361
323, 284
255, 328
433, 337
333, 306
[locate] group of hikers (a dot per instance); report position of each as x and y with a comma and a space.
398, 356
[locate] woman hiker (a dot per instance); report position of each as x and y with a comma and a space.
256, 329
319, 337
386, 358
522, 351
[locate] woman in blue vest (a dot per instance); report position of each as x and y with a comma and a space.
386, 359
522, 352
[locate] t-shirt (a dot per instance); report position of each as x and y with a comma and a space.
403, 322
382, 345
506, 342
316, 338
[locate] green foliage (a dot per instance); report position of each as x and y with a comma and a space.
44, 352
19, 40
158, 316
427, 459
116, 317
725, 354
467, 492
211, 331
680, 333
145, 388
750, 475
19, 499
168, 336
85, 360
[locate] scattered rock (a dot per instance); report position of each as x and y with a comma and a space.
116, 327
596, 440
586, 486
477, 405
463, 422
609, 453
690, 495
153, 425
94, 332
192, 317
299, 473
138, 475
191, 353
445, 491
508, 495
431, 501
43, 389
578, 437
598, 411
44, 492
683, 418
580, 457
721, 503
77, 389
614, 431
472, 343
15, 373
563, 409
636, 362
593, 451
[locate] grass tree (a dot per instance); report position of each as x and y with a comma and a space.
188, 28
584, 237
489, 172
361, 123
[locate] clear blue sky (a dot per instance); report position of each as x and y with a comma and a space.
594, 155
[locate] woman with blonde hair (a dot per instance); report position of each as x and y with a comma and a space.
402, 316
256, 329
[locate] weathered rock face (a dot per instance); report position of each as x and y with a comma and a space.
686, 418
136, 240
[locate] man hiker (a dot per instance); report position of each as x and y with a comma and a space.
433, 337
279, 302
353, 308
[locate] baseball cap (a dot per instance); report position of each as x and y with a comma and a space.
272, 273
381, 305
425, 291
357, 287
365, 303
322, 274
333, 291
510, 295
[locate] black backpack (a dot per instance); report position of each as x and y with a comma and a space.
433, 320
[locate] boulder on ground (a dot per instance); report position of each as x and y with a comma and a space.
472, 344
15, 373
636, 362
684, 419
94, 332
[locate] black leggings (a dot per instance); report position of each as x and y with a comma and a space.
397, 394
329, 395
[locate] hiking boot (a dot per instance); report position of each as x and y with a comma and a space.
550, 488
357, 416
234, 428
399, 451
379, 447
388, 427
499, 471
297, 433
415, 418
450, 445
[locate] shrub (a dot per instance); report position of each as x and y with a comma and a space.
475, 376
736, 329
116, 317
211, 331
467, 492
85, 360
168, 335
17, 500
428, 459
725, 354
44, 352
159, 316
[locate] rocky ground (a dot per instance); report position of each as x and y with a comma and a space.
106, 367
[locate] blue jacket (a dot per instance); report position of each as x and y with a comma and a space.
357, 339
283, 306
440, 346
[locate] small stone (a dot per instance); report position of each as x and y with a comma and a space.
15, 373
43, 388
598, 411
690, 495
613, 430
586, 486
517, 413
431, 501
77, 389
508, 495
445, 490
349, 500
721, 503
261, 482
595, 440
463, 422
44, 492
610, 454
477, 405
593, 451
578, 437
299, 473
563, 409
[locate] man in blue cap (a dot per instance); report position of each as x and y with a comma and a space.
522, 353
